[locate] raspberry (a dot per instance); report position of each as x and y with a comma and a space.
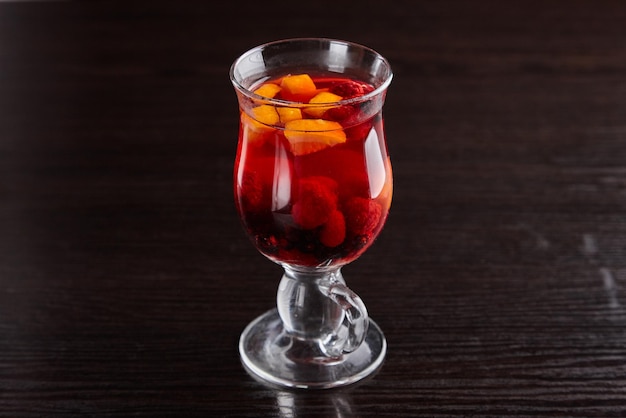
359, 132
328, 183
350, 89
256, 184
333, 232
251, 193
340, 113
362, 215
295, 256
315, 199
267, 243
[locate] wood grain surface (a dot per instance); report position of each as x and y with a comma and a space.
125, 275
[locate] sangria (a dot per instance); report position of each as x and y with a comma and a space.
313, 184
313, 188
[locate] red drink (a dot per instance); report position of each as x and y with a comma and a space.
313, 181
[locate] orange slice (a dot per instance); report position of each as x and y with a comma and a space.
298, 88
268, 90
320, 98
387, 192
266, 114
287, 114
310, 135
259, 125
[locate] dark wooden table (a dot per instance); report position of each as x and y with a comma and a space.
126, 278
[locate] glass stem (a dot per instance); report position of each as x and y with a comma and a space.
318, 307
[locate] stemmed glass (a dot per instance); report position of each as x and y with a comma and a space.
313, 187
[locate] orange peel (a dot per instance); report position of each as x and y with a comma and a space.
319, 99
306, 136
298, 87
268, 90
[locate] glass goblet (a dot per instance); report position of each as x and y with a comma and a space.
313, 188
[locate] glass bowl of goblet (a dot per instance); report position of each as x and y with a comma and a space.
313, 187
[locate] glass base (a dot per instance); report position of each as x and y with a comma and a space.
272, 355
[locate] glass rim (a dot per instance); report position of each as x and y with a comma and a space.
258, 98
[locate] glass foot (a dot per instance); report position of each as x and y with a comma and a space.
270, 354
